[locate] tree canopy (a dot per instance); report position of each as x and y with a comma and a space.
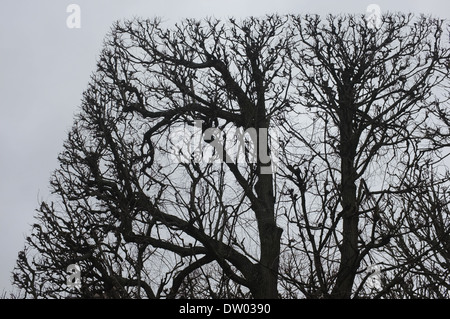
273, 157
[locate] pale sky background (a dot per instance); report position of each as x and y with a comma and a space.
45, 67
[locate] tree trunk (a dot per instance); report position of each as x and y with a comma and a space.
266, 277
349, 246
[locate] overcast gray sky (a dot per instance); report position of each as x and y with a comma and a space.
45, 66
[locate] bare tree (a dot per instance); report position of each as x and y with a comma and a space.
154, 202
366, 94
128, 208
422, 253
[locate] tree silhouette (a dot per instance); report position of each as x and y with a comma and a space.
368, 94
153, 201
